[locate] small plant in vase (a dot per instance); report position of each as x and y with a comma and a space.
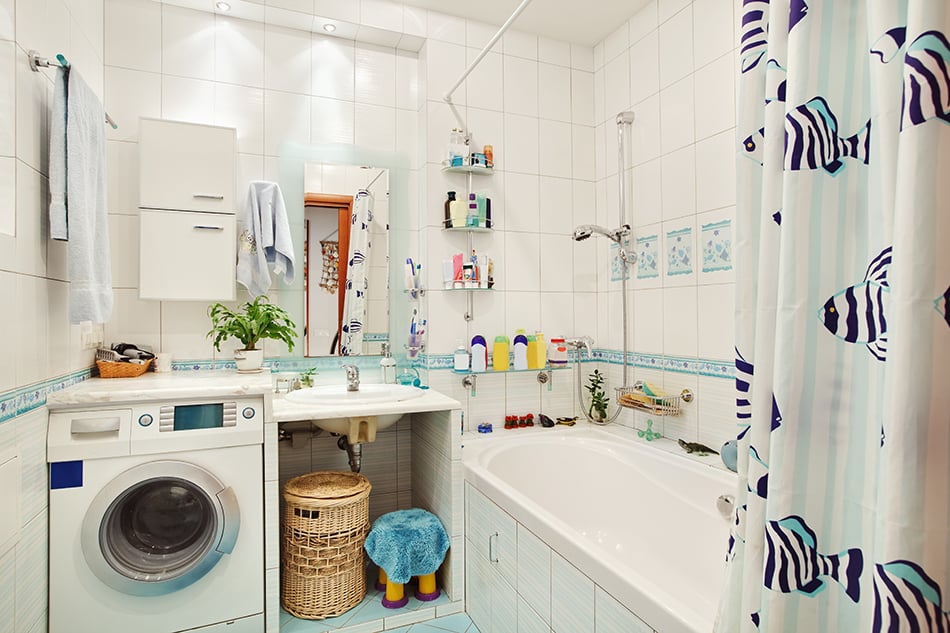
249, 323
598, 398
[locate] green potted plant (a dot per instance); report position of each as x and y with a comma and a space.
598, 398
251, 322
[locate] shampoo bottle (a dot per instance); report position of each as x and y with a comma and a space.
461, 357
520, 347
479, 353
387, 366
447, 222
533, 352
499, 355
542, 351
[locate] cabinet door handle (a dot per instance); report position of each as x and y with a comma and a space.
491, 548
207, 196
94, 425
206, 227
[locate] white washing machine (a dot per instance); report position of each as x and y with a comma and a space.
156, 521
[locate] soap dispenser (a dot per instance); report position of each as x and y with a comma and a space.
387, 365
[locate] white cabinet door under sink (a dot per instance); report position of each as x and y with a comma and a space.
186, 256
187, 167
491, 564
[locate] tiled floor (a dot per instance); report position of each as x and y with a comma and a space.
370, 614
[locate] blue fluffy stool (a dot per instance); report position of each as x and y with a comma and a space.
404, 544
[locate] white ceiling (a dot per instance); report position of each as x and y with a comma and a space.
568, 20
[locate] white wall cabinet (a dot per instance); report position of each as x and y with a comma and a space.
187, 200
186, 256
187, 167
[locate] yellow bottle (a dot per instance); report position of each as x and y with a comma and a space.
542, 351
499, 358
533, 352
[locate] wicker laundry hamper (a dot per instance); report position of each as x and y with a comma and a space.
326, 520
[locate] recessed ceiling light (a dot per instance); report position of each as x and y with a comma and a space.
329, 28
222, 6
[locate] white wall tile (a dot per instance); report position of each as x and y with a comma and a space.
643, 21
521, 202
7, 19
133, 34
668, 8
287, 64
122, 162
645, 198
678, 175
381, 14
124, 250
554, 52
716, 315
556, 205
676, 116
644, 68
582, 149
33, 303
713, 30
184, 324
582, 58
31, 573
582, 101
555, 149
554, 92
8, 196
375, 75
333, 65
9, 322
676, 47
445, 63
375, 127
187, 43
239, 52
136, 320
716, 172
33, 91
523, 262
521, 144
32, 225
715, 108
485, 86
520, 44
445, 28
680, 321
130, 94
617, 85
556, 269
58, 331
286, 119
407, 80
190, 100
345, 10
333, 121
616, 43
242, 108
645, 132
521, 86
8, 52
648, 321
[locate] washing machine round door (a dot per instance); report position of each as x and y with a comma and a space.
159, 527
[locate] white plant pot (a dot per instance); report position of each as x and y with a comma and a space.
249, 359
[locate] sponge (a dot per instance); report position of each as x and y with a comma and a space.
652, 390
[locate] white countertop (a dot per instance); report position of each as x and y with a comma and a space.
286, 411
161, 386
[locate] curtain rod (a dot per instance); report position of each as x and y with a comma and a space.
37, 62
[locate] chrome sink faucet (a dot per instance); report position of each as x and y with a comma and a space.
352, 377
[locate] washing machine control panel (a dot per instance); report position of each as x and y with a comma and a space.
189, 417
146, 419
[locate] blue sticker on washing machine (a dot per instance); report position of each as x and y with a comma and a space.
65, 475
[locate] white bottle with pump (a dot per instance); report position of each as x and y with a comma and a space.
387, 365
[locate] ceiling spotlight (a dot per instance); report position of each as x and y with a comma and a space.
222, 6
329, 28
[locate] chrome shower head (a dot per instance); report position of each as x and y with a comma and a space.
586, 230
581, 233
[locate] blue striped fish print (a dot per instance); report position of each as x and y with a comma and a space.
812, 141
907, 599
775, 82
758, 475
755, 32
754, 145
889, 45
926, 80
744, 373
358, 258
794, 564
797, 10
737, 532
942, 305
857, 314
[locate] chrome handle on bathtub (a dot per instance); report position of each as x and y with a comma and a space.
726, 504
491, 549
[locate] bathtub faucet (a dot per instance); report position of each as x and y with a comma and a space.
579, 342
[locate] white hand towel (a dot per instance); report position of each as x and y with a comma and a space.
264, 236
90, 267
58, 228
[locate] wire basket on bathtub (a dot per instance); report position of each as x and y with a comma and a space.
634, 398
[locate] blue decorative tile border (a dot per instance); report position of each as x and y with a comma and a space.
648, 257
679, 252
25, 399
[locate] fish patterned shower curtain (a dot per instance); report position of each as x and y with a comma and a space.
357, 282
842, 516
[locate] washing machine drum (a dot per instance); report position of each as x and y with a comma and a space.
159, 527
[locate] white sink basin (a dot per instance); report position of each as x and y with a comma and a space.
357, 427
368, 394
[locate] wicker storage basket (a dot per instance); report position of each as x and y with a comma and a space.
109, 369
326, 520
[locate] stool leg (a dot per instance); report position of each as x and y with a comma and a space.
395, 597
381, 580
427, 590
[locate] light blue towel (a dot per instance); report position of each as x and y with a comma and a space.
58, 226
264, 237
89, 263
407, 543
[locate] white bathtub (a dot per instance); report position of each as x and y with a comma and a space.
638, 521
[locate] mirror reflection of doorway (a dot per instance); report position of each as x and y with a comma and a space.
327, 221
